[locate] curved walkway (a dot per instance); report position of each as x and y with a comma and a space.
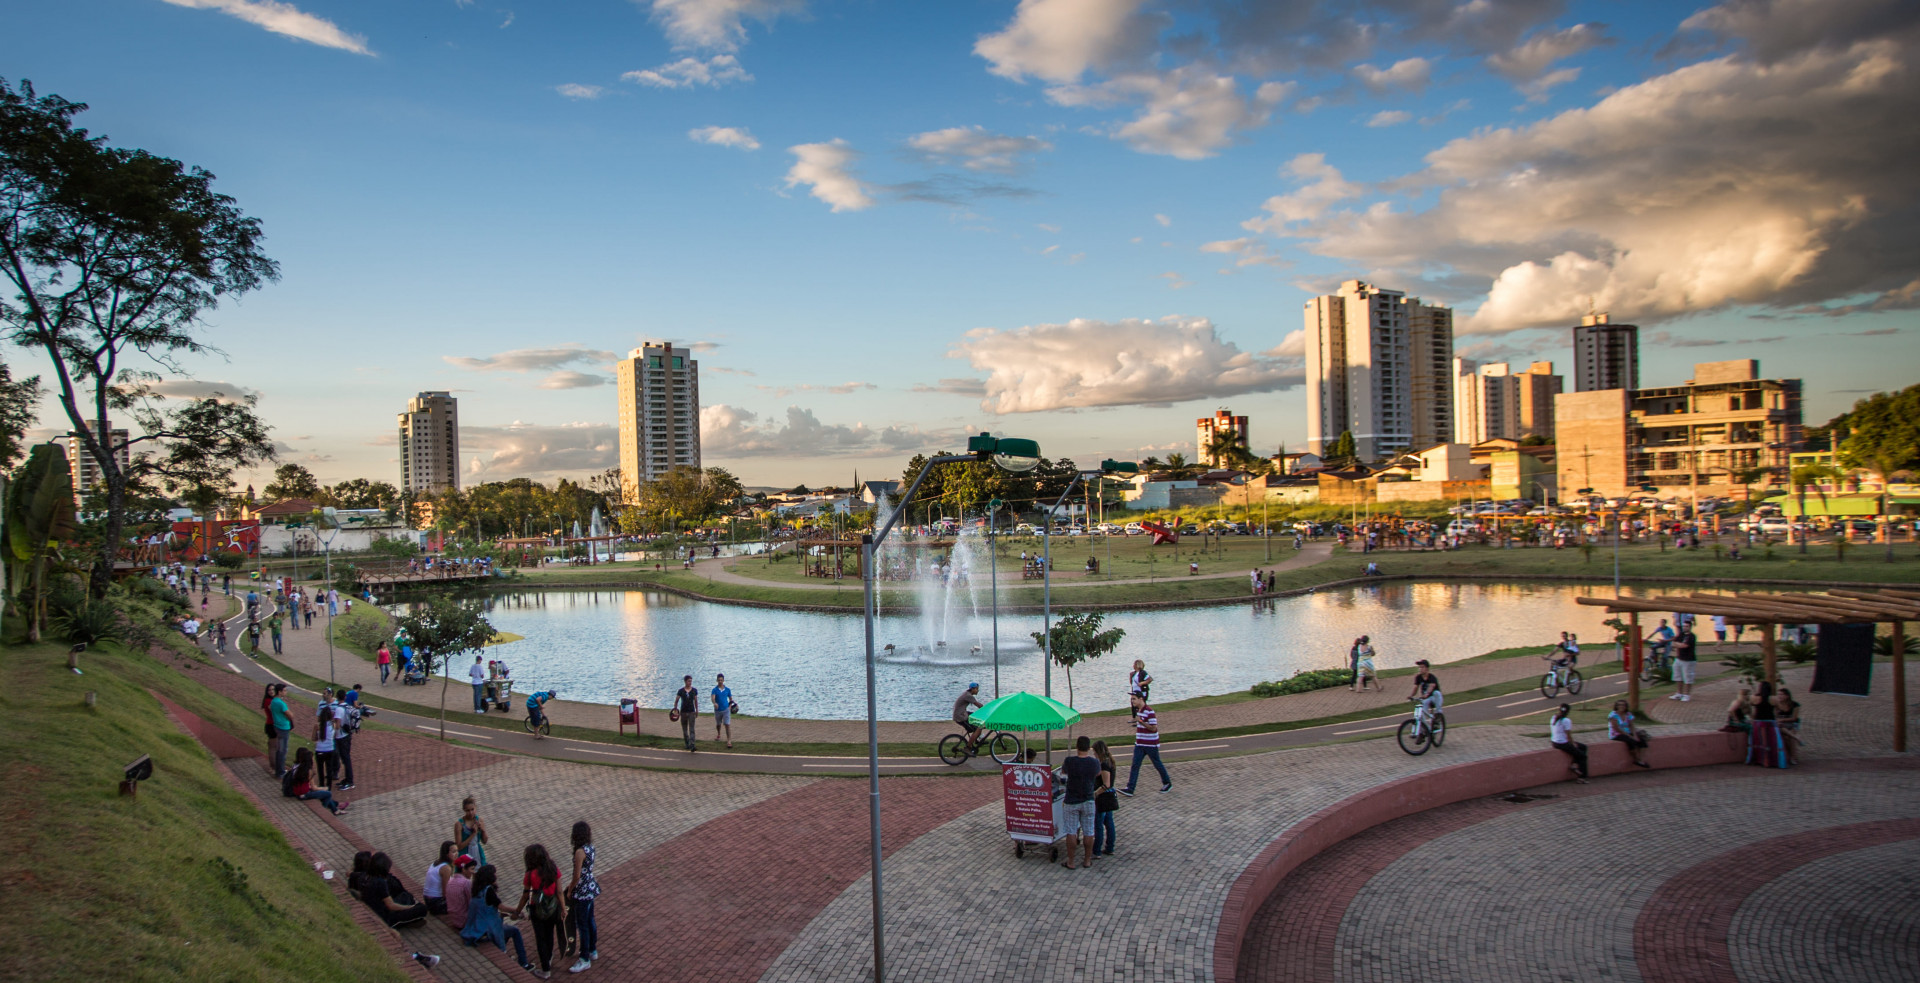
722, 571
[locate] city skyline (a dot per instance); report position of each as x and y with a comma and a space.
882, 227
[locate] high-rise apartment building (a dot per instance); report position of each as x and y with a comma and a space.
1379, 365
430, 444
82, 466
1209, 430
659, 412
1605, 355
1492, 400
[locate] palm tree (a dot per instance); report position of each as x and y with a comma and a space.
1801, 478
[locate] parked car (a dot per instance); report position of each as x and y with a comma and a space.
1026, 527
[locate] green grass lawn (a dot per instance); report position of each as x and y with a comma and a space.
187, 881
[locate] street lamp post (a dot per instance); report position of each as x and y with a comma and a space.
993, 578
328, 518
1009, 453
1046, 572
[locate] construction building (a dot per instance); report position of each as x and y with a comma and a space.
1216, 430
430, 444
1379, 365
659, 413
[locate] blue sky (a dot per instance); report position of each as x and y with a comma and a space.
1088, 221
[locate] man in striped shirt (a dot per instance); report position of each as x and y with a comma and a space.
1146, 744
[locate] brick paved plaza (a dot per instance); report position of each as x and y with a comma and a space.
1723, 872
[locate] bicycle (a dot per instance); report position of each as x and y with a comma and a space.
542, 729
1005, 748
1656, 662
1561, 677
1427, 729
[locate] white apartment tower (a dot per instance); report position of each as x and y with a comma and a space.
82, 466
430, 444
1379, 365
1605, 355
659, 412
1492, 401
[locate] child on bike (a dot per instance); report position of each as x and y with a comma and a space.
536, 703
1565, 655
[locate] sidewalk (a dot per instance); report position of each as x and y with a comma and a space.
722, 571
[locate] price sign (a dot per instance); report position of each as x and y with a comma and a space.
1028, 790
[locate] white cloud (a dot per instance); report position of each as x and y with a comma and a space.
824, 168
954, 387
1175, 281
718, 24
1537, 89
688, 73
1407, 73
569, 379
531, 359
1324, 189
837, 389
533, 450
574, 90
1087, 363
731, 432
1389, 117
1531, 58
1060, 40
976, 148
226, 392
1188, 112
1727, 182
285, 19
725, 136
1247, 250
1162, 219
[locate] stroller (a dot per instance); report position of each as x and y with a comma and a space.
414, 674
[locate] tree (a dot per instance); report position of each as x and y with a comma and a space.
292, 481
441, 632
1077, 638
1810, 475
1344, 449
1883, 436
18, 401
359, 493
109, 252
39, 513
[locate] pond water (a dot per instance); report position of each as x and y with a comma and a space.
600, 646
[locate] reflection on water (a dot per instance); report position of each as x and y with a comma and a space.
600, 646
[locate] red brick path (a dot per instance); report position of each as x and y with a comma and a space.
1681, 933
719, 903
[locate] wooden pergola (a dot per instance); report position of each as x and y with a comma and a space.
1895, 606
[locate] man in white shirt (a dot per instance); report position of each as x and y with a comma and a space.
478, 673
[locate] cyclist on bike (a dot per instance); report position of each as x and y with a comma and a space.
962, 710
536, 703
1661, 639
1565, 655
1426, 688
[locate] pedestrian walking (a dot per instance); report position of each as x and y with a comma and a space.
253, 637
1146, 746
273, 626
1082, 774
1562, 737
1107, 801
687, 708
540, 898
1361, 652
1139, 681
478, 674
385, 658
582, 889
723, 707
470, 831
1719, 629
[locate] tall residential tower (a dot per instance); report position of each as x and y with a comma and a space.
430, 444
1210, 429
1379, 364
1605, 355
659, 412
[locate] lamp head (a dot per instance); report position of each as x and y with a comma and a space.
140, 770
1121, 467
1008, 453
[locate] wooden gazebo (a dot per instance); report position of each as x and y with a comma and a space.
1895, 606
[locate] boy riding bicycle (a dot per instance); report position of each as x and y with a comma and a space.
536, 715
1565, 655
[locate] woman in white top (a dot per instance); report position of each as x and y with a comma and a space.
325, 729
435, 883
1562, 736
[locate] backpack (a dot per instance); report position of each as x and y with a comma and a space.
286, 784
546, 907
352, 723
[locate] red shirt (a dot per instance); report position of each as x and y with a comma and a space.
533, 883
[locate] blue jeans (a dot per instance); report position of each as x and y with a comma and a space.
1103, 832
479, 698
1151, 751
519, 946
280, 751
586, 930
324, 797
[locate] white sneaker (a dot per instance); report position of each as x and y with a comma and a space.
1686, 697
1674, 696
580, 965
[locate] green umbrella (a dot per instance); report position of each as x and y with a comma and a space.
1026, 711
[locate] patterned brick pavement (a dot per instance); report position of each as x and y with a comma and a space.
1854, 916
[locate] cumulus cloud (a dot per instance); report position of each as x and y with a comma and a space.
838, 389
574, 90
1408, 73
1323, 188
1732, 181
533, 450
569, 379
1530, 59
1774, 29
953, 387
725, 136
689, 73
1061, 40
531, 359
718, 24
1247, 251
1131, 362
286, 20
226, 392
976, 148
1389, 117
1189, 112
732, 432
826, 170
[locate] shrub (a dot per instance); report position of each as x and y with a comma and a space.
1305, 681
1798, 652
91, 621
230, 559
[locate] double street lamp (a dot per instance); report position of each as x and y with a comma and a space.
1009, 454
1046, 568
